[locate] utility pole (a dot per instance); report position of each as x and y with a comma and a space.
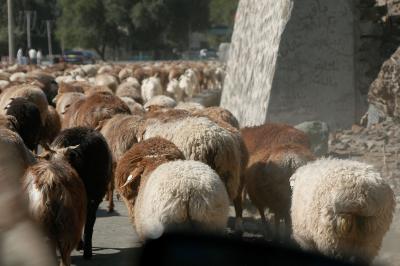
49, 40
28, 28
10, 32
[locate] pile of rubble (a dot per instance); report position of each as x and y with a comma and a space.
378, 145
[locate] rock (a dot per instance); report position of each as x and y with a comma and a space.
318, 132
356, 129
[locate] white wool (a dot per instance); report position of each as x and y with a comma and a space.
107, 80
35, 195
18, 77
174, 89
202, 140
341, 208
179, 189
151, 87
189, 106
160, 100
4, 83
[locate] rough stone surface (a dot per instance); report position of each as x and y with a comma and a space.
315, 73
252, 58
318, 133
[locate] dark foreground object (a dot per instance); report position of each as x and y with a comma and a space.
185, 249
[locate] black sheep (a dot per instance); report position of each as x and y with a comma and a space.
28, 124
87, 151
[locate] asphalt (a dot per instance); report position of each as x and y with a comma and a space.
114, 239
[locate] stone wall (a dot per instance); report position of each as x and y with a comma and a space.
315, 76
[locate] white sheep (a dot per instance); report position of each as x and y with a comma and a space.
151, 87
108, 81
174, 89
181, 192
341, 208
202, 140
160, 101
161, 191
189, 83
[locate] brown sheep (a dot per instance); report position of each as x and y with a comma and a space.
51, 127
265, 135
120, 133
138, 162
57, 201
267, 180
94, 109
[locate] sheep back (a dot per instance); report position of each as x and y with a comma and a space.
341, 208
202, 140
181, 192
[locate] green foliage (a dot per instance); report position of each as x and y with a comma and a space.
101, 24
222, 12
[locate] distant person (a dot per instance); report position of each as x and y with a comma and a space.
39, 57
20, 56
203, 53
32, 56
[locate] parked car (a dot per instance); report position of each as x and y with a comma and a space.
79, 57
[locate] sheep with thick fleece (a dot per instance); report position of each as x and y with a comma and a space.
202, 140
162, 191
151, 87
90, 111
29, 125
65, 100
120, 133
341, 208
31, 93
160, 101
181, 192
135, 107
175, 90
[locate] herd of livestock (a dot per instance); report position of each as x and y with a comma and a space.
74, 135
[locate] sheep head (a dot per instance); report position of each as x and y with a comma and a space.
56, 154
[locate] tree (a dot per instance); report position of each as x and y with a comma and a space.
83, 23
185, 17
222, 12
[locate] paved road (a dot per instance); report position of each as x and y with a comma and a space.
114, 240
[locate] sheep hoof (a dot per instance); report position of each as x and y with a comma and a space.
87, 255
239, 227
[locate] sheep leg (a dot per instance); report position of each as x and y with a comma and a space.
265, 226
110, 195
65, 257
238, 204
277, 222
288, 227
90, 220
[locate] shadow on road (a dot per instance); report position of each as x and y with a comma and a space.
105, 213
109, 256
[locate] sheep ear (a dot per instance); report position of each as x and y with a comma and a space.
67, 149
72, 147
133, 177
55, 99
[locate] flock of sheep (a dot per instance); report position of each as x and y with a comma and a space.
176, 164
